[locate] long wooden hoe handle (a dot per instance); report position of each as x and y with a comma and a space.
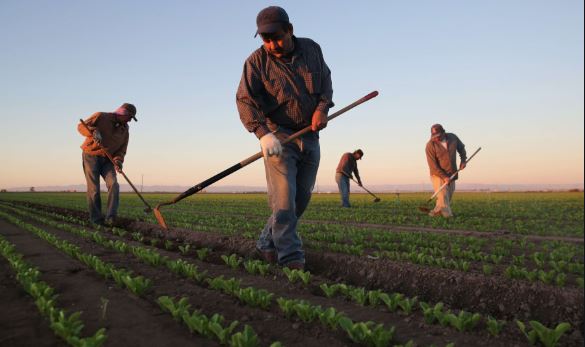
452, 176
148, 208
247, 161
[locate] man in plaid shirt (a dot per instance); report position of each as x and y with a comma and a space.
285, 86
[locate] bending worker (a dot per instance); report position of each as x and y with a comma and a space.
285, 87
109, 131
441, 157
347, 165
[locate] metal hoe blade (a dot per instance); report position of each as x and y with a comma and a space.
159, 217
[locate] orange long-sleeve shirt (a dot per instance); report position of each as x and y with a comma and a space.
115, 135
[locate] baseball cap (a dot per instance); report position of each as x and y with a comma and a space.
438, 130
270, 20
132, 109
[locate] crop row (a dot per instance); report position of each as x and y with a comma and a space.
138, 285
462, 321
66, 326
542, 214
250, 295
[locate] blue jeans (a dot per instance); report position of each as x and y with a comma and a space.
343, 185
95, 166
290, 178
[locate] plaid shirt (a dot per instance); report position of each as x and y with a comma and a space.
273, 93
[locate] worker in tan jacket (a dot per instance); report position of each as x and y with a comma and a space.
109, 131
441, 153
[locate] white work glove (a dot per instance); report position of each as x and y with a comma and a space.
270, 145
97, 135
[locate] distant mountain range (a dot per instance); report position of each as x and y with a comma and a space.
384, 188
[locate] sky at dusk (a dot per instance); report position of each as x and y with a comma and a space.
503, 75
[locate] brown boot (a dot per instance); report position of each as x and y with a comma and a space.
268, 256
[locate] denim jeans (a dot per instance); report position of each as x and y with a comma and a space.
443, 203
343, 185
95, 166
290, 178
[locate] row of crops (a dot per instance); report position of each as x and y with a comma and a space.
310, 299
519, 213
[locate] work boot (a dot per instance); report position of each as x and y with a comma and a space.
295, 265
268, 256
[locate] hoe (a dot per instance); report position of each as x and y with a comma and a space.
376, 199
245, 162
424, 208
147, 208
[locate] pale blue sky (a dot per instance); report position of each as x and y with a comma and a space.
504, 75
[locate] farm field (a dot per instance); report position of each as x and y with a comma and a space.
507, 270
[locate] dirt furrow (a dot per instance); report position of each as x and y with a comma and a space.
128, 320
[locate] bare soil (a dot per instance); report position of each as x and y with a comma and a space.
138, 321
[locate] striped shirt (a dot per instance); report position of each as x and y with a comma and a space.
274, 93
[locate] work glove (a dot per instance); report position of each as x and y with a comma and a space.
97, 136
462, 165
270, 145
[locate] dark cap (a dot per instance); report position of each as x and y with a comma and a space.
270, 20
131, 109
359, 151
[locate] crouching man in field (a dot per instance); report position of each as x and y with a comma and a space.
109, 132
441, 153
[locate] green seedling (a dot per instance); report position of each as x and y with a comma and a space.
494, 326
137, 285
255, 297
216, 328
286, 306
306, 312
465, 321
169, 245
328, 290
548, 337
202, 253
359, 295
245, 338
407, 304
391, 301
177, 310
232, 261
330, 317
184, 249
487, 269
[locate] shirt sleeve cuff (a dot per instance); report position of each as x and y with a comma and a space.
261, 131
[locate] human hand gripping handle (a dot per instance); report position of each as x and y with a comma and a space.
270, 145
319, 120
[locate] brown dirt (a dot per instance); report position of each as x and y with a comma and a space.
488, 295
